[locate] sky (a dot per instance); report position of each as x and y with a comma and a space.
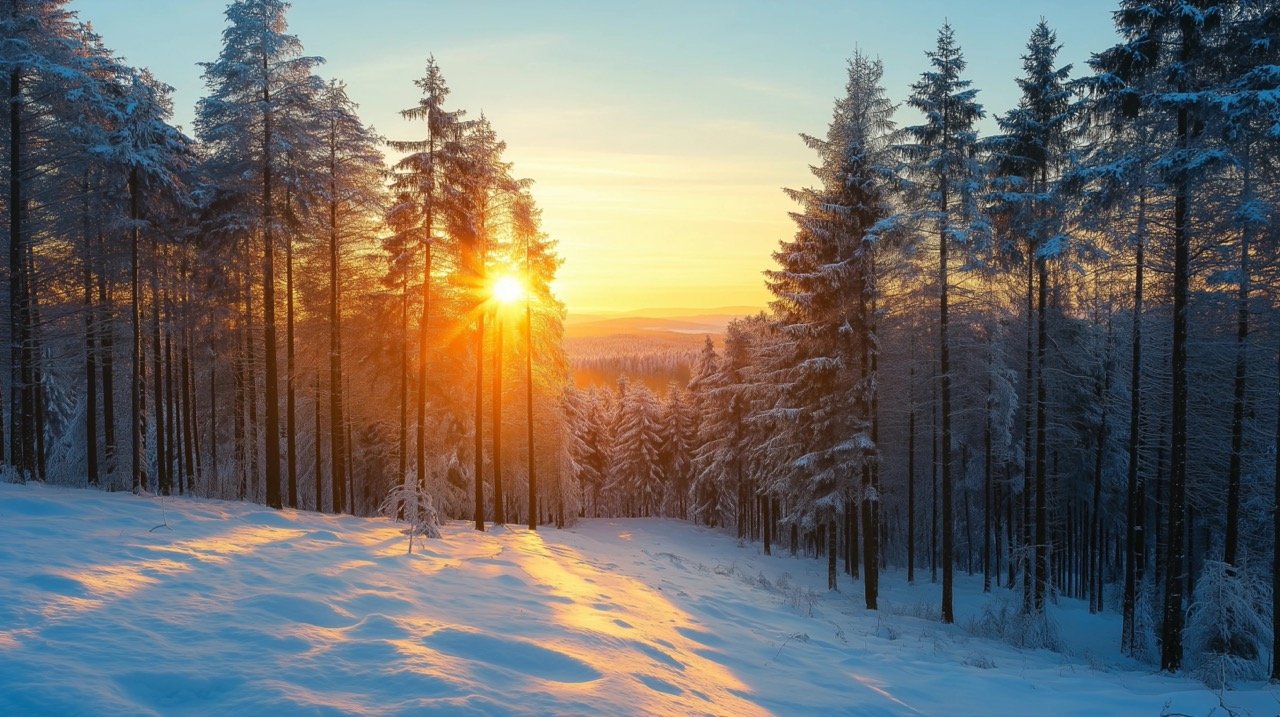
659, 134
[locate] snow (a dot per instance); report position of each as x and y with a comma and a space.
120, 604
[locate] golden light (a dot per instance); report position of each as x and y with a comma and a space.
508, 290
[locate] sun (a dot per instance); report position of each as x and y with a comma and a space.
508, 290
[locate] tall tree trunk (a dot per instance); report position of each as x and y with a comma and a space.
90, 348
871, 477
1028, 430
424, 338
190, 437
163, 476
242, 446
933, 482
1135, 539
528, 394
499, 503
1232, 539
214, 480
318, 463
337, 446
171, 397
986, 488
34, 361
851, 529
944, 368
251, 377
911, 472
424, 356
404, 382
831, 553
290, 399
1171, 635
271, 392
1095, 529
1275, 548
136, 419
479, 417
1042, 348
18, 418
106, 343
106, 339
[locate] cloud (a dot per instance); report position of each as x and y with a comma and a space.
767, 89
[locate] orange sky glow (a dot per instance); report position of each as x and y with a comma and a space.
659, 135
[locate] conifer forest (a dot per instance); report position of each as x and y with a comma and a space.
1014, 382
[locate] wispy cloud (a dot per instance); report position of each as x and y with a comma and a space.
767, 89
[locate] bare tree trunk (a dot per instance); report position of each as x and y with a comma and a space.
157, 377
499, 503
90, 346
136, 418
337, 444
318, 465
911, 472
191, 437
1275, 550
35, 361
1042, 348
479, 420
19, 419
1136, 540
870, 476
272, 388
251, 377
171, 397
944, 369
404, 382
291, 406
933, 482
214, 482
831, 554
1095, 529
528, 395
1028, 429
1232, 538
986, 488
1171, 634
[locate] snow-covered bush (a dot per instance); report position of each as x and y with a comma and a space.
412, 504
1146, 622
1002, 619
1226, 634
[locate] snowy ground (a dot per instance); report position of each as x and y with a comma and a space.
236, 609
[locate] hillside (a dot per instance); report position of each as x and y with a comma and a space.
124, 605
653, 346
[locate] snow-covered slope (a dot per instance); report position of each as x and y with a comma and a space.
236, 609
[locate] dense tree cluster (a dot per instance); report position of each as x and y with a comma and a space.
219, 315
1048, 355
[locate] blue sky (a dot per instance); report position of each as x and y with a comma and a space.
659, 134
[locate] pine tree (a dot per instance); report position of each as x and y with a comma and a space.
637, 478
418, 177
827, 274
353, 170
941, 159
1030, 155
249, 120
1173, 40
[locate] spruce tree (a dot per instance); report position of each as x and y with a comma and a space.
941, 159
249, 121
821, 303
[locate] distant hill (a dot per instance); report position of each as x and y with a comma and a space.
644, 322
652, 346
